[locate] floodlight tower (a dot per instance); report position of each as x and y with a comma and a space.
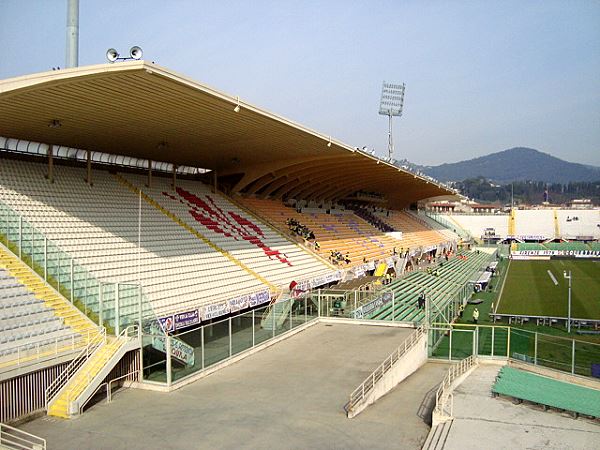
392, 102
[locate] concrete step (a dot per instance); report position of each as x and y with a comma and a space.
436, 439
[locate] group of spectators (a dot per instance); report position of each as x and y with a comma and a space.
373, 219
337, 257
299, 229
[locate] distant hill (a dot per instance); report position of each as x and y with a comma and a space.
515, 164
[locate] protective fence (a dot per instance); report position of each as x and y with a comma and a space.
109, 304
459, 341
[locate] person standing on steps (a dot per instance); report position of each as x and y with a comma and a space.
475, 316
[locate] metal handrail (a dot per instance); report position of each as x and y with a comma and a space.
109, 392
32, 353
94, 341
368, 385
444, 392
11, 437
115, 344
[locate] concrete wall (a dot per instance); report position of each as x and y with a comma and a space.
409, 363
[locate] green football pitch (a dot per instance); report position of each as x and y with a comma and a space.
538, 288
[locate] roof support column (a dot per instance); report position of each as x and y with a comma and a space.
88, 179
149, 182
174, 176
50, 175
215, 187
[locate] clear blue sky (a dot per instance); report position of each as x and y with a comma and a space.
481, 76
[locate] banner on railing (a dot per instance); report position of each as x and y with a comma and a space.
216, 310
526, 254
179, 349
249, 300
180, 320
376, 303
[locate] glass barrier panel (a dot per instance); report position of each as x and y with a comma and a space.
181, 368
299, 311
38, 253
216, 342
107, 306
554, 352
586, 355
261, 333
462, 343
522, 345
484, 341
155, 361
241, 332
281, 316
439, 343
500, 341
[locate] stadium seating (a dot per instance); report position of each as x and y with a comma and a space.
574, 223
475, 224
345, 233
451, 277
348, 233
239, 233
33, 319
568, 246
525, 246
535, 388
415, 233
535, 222
98, 226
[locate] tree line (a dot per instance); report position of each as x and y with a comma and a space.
528, 192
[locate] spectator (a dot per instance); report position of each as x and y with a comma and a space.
475, 315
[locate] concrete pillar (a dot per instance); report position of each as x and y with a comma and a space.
50, 175
89, 168
174, 176
149, 184
214, 181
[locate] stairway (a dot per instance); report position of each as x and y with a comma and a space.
276, 315
84, 382
71, 316
436, 439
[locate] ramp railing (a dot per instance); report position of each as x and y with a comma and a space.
360, 393
443, 407
13, 438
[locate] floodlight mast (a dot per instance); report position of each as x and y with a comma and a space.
391, 105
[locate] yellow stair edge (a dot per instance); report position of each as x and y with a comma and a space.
61, 307
193, 231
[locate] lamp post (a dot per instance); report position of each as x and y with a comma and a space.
568, 277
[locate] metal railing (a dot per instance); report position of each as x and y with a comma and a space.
27, 354
82, 382
444, 392
14, 438
359, 394
94, 342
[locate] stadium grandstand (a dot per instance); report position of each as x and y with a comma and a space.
156, 236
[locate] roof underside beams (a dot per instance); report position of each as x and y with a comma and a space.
145, 111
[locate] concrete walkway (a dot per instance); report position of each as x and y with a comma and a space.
481, 421
289, 396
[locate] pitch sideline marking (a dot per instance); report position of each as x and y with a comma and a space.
502, 288
551, 275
